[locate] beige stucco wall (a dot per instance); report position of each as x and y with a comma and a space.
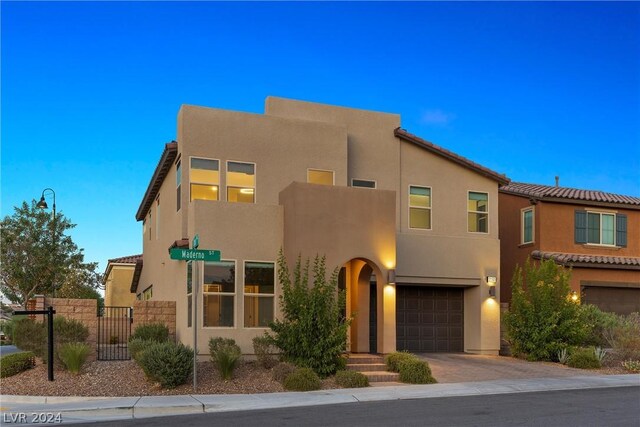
118, 286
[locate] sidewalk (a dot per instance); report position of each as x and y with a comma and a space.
87, 409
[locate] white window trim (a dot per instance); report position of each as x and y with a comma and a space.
255, 179
533, 224
275, 284
234, 294
205, 183
375, 183
480, 212
333, 174
430, 208
615, 220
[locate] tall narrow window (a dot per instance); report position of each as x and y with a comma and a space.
178, 182
204, 179
219, 290
527, 226
157, 218
149, 224
478, 212
189, 293
259, 291
420, 207
317, 176
241, 182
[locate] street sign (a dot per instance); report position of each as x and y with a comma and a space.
196, 242
195, 254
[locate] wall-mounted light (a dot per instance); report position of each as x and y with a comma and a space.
574, 296
391, 276
492, 291
492, 280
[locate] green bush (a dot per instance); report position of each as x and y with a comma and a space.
313, 330
302, 379
584, 358
137, 346
15, 363
624, 337
225, 354
414, 371
282, 370
598, 322
73, 355
158, 332
265, 351
29, 335
393, 360
351, 379
542, 319
167, 363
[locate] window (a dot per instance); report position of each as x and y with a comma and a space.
147, 294
204, 179
318, 176
363, 183
259, 291
219, 290
601, 228
178, 182
189, 293
420, 207
149, 225
478, 212
241, 182
527, 226
157, 218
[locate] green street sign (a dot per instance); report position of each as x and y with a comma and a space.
196, 242
195, 254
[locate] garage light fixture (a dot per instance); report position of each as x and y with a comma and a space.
492, 280
391, 276
574, 296
492, 292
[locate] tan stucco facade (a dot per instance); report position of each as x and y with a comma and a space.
365, 231
117, 286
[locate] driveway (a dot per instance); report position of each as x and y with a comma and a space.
8, 349
460, 367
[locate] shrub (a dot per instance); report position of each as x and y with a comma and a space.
563, 356
158, 332
313, 329
265, 350
137, 346
631, 365
600, 354
584, 358
351, 379
414, 371
624, 337
282, 370
167, 363
225, 354
393, 360
15, 363
542, 319
31, 336
598, 322
302, 379
73, 355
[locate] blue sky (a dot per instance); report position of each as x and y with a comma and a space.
90, 91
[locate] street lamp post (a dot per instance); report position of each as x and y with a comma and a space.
42, 204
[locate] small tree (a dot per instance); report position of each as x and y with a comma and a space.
542, 318
313, 330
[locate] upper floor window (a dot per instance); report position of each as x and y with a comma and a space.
219, 288
601, 228
318, 176
363, 183
241, 182
178, 185
478, 212
157, 218
527, 226
419, 207
204, 179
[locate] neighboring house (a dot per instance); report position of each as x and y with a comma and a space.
594, 233
117, 281
412, 227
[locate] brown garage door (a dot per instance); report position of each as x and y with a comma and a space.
616, 300
429, 319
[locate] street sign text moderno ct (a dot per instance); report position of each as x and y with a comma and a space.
195, 254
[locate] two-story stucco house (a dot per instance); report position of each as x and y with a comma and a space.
412, 227
596, 234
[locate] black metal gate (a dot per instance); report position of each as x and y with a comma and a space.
114, 330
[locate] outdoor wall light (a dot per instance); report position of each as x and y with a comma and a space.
574, 296
492, 280
492, 292
391, 276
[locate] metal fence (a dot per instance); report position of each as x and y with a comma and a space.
114, 330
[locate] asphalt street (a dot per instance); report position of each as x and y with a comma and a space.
609, 407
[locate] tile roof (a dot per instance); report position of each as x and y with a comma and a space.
549, 192
131, 259
450, 155
162, 169
136, 276
583, 260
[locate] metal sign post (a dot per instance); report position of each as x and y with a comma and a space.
194, 302
49, 312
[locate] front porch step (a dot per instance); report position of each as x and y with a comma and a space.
364, 359
369, 367
376, 377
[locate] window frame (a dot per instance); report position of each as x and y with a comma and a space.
147, 291
275, 283
219, 185
477, 212
375, 183
234, 294
600, 213
430, 208
333, 175
533, 225
226, 180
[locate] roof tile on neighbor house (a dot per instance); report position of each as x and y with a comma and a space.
162, 169
548, 192
131, 259
450, 155
136, 276
584, 260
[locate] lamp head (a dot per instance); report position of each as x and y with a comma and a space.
42, 204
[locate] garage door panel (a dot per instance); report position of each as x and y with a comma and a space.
616, 300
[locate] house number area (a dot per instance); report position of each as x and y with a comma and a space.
31, 418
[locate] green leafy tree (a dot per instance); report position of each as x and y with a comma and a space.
313, 330
38, 257
542, 319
